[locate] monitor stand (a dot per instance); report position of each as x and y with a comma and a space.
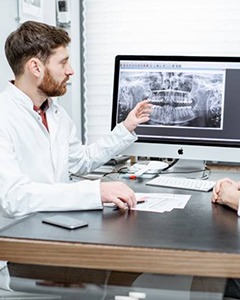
188, 168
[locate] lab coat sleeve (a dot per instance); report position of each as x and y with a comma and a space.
30, 197
20, 196
84, 159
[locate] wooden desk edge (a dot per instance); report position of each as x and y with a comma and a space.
128, 259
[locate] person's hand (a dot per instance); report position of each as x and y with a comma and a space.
139, 114
218, 185
228, 194
118, 193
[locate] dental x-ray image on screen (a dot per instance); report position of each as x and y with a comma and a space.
187, 98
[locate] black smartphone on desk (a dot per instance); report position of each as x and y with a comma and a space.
65, 222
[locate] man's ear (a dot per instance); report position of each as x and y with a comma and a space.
35, 67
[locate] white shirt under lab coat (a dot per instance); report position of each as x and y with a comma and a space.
35, 164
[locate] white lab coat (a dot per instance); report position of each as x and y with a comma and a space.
4, 278
35, 164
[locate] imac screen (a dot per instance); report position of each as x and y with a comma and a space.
196, 100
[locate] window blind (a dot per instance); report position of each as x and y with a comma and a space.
147, 27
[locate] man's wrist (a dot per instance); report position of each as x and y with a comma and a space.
129, 128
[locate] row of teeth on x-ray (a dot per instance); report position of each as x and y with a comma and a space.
171, 115
173, 97
171, 107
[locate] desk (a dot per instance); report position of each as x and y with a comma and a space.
202, 240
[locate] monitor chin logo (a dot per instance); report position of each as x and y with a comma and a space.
180, 151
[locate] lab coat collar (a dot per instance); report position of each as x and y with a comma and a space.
21, 98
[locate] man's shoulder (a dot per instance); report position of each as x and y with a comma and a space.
6, 104
4, 95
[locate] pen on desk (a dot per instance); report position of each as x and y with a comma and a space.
140, 201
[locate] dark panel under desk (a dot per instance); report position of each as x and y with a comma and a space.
200, 226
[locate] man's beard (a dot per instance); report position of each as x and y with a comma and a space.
50, 87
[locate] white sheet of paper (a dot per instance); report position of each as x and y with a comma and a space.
161, 202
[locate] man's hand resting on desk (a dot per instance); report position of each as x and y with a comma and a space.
226, 191
118, 193
139, 114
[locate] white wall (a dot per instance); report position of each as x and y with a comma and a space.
8, 23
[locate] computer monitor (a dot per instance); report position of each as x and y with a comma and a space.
196, 105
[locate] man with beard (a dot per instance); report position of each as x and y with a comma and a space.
39, 147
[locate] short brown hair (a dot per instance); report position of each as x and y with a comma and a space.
33, 39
